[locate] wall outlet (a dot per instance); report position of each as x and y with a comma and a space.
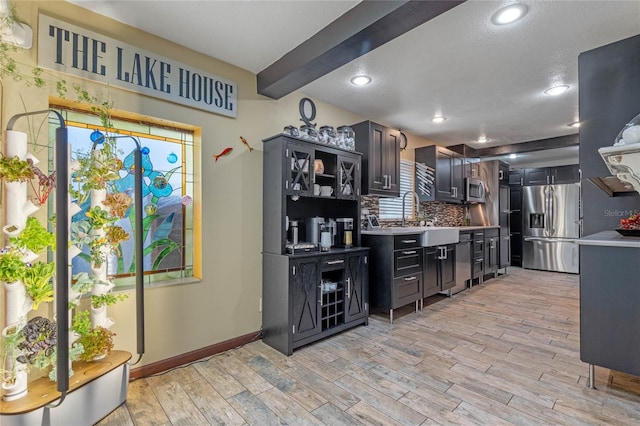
260, 304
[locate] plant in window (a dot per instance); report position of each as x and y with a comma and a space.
99, 218
13, 169
96, 342
45, 184
34, 237
107, 299
37, 281
39, 341
115, 235
118, 204
12, 267
95, 251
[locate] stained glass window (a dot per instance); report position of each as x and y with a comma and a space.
167, 189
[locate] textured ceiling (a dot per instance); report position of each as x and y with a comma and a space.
486, 79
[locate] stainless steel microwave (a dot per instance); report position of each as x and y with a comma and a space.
474, 190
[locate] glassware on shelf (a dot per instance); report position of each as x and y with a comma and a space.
327, 135
346, 138
308, 133
291, 131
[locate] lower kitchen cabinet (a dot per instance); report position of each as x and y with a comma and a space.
477, 255
395, 270
491, 241
308, 297
440, 269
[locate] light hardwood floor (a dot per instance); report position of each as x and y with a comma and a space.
506, 352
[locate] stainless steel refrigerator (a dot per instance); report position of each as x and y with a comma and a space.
551, 226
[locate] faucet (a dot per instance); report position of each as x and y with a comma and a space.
416, 198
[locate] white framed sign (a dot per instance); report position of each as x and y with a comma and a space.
74, 50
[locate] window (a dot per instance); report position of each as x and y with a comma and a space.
391, 208
168, 188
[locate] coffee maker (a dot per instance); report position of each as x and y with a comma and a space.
344, 233
313, 228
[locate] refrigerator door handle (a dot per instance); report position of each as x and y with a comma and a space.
551, 240
552, 211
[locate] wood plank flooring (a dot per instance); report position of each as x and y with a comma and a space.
503, 353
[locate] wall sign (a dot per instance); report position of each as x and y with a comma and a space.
74, 50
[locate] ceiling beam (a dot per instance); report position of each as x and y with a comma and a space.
531, 146
368, 25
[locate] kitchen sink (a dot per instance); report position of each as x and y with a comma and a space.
439, 235
431, 235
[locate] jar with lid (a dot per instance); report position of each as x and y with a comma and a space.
346, 138
291, 131
308, 133
327, 135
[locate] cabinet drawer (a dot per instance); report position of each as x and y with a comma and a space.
407, 261
406, 289
477, 267
332, 262
490, 233
406, 241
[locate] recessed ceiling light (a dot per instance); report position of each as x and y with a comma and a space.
512, 156
509, 14
557, 90
483, 139
574, 124
438, 119
361, 80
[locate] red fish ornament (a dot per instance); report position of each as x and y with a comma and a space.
244, 141
224, 152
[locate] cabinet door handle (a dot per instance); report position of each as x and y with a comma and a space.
335, 262
349, 288
320, 300
409, 241
500, 175
410, 278
409, 252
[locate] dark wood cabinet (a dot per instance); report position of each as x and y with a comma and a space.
516, 177
447, 178
395, 272
308, 294
539, 176
552, 175
304, 280
477, 255
515, 219
565, 174
357, 287
380, 148
440, 269
491, 241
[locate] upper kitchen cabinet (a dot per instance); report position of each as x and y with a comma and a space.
380, 148
552, 175
444, 178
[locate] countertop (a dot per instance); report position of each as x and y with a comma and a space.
398, 230
609, 239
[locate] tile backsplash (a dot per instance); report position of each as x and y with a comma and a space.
443, 213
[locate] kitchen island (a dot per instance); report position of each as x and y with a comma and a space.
609, 302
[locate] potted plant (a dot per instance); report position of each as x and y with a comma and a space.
37, 281
96, 342
12, 267
34, 237
13, 169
